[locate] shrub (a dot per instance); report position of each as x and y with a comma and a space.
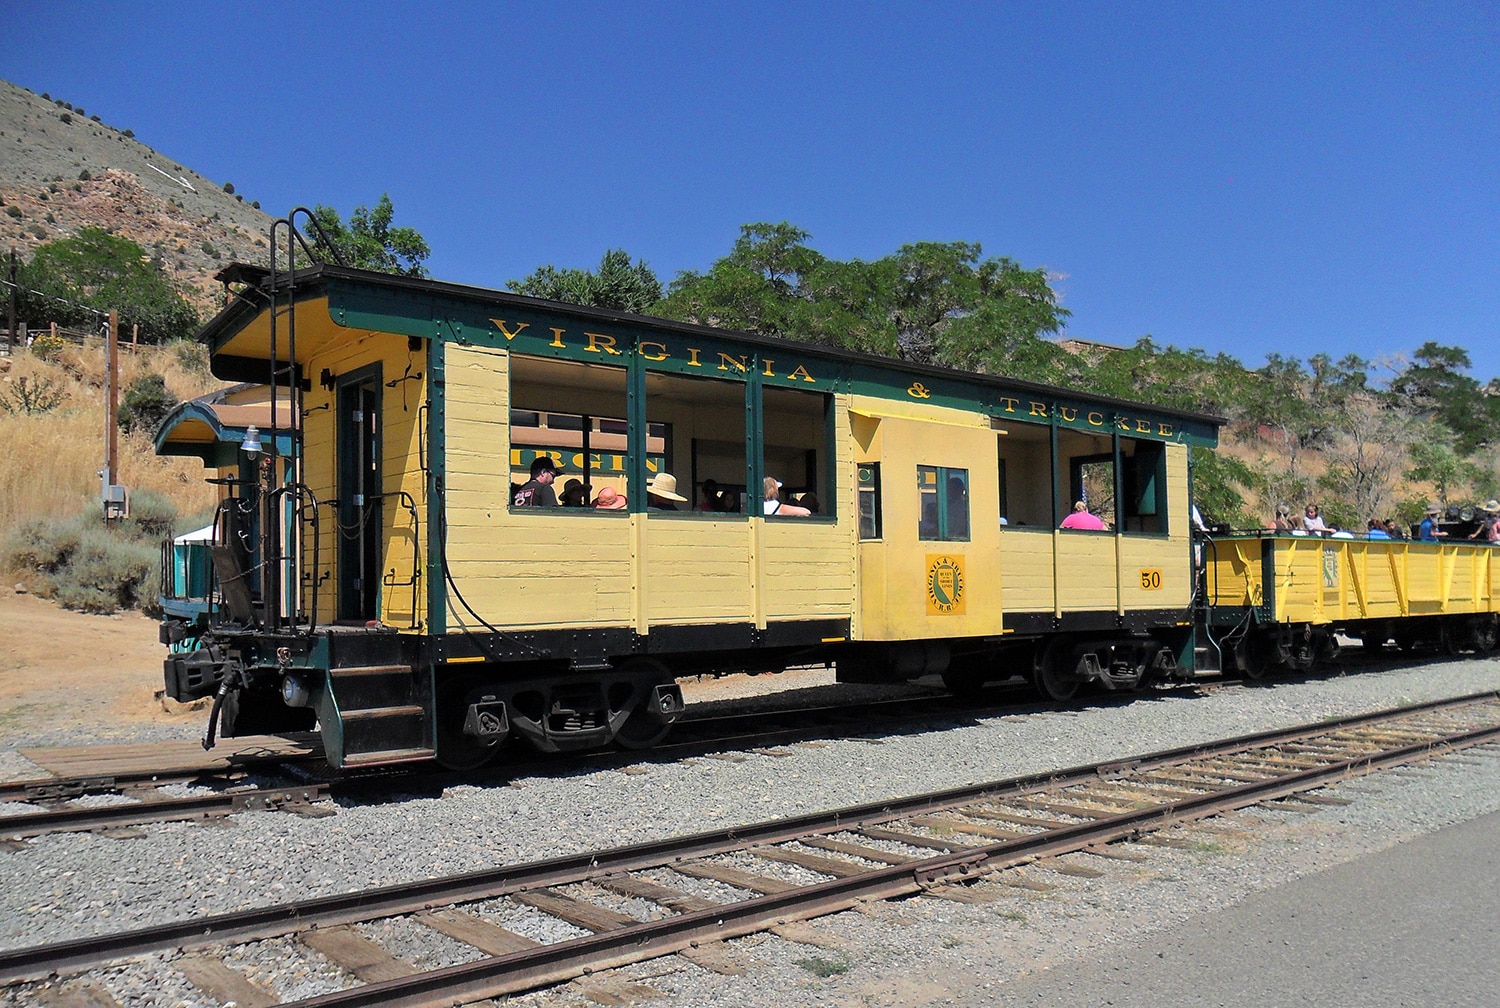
229, 188
130, 133
191, 357
153, 517
107, 572
209, 250
147, 402
14, 211
32, 396
48, 347
85, 565
66, 118
84, 175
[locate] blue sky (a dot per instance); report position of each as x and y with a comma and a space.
1297, 178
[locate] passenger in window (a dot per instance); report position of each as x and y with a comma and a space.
1489, 526
537, 491
661, 493
1392, 529
1082, 518
1375, 530
773, 505
709, 499
575, 494
958, 508
610, 500
1428, 531
1312, 521
1284, 521
810, 501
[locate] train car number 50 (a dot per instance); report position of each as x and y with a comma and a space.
1150, 579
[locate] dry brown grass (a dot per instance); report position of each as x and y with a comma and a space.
49, 461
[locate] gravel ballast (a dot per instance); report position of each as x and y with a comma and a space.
914, 951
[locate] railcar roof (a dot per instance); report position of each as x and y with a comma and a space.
438, 302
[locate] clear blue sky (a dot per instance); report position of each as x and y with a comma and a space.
1294, 177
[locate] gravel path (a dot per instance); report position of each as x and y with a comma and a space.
915, 951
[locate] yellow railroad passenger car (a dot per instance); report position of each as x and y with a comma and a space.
782, 503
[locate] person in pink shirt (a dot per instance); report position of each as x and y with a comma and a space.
1082, 519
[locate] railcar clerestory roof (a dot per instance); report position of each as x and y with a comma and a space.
335, 301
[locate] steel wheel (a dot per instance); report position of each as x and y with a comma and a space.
643, 728
1054, 678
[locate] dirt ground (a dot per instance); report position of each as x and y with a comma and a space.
62, 671
68, 672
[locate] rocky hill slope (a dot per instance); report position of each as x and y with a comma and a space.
61, 170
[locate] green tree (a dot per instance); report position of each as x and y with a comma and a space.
369, 241
76, 281
929, 302
1435, 383
619, 284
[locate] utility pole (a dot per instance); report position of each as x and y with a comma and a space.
14, 294
114, 494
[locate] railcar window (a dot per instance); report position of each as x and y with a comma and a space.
943, 497
574, 414
702, 424
1026, 467
796, 447
869, 500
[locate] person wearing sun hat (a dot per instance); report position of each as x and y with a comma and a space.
661, 493
610, 499
1428, 530
1489, 527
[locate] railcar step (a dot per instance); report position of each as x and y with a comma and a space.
388, 756
405, 711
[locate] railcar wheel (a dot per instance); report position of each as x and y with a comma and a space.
1484, 637
457, 750
644, 727
1255, 656
1450, 639
1055, 677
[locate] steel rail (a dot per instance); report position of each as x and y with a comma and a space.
155, 810
349, 908
524, 970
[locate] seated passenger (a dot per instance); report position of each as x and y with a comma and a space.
772, 504
662, 495
575, 494
537, 491
1284, 521
1392, 529
810, 501
1312, 521
1082, 518
1489, 526
1428, 531
1376, 530
709, 499
610, 500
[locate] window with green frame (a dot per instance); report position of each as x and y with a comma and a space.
943, 504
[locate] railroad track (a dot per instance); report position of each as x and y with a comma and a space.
304, 785
712, 886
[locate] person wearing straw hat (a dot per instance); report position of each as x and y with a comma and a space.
1489, 528
1428, 530
661, 493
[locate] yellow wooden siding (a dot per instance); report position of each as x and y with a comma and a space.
1028, 585
544, 568
400, 605
697, 571
1334, 580
1087, 579
893, 601
1170, 556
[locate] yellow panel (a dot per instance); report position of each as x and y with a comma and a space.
1086, 579
1029, 585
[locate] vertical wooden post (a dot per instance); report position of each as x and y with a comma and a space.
11, 301
112, 404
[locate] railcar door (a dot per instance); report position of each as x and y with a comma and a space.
359, 500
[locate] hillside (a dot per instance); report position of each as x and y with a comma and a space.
61, 170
